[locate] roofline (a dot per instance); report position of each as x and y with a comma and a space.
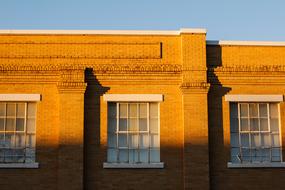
107, 32
245, 43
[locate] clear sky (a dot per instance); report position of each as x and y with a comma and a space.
223, 19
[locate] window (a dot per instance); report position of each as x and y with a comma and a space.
17, 132
133, 133
255, 132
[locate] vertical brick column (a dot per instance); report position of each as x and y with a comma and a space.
71, 88
195, 113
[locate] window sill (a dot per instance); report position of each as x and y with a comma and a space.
20, 165
133, 166
257, 165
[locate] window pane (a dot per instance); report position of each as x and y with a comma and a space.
2, 126
123, 125
234, 125
143, 124
123, 142
144, 155
133, 110
133, 156
265, 140
2, 109
112, 110
154, 141
20, 124
263, 110
234, 140
2, 155
123, 110
11, 109
10, 124
154, 155
112, 125
263, 124
273, 110
143, 110
274, 125
253, 110
244, 140
144, 141
2, 141
244, 126
254, 125
20, 110
31, 127
123, 155
244, 110
255, 140
256, 155
30, 155
235, 156
30, 141
112, 155
245, 155
275, 140
153, 110
9, 140
133, 141
266, 154
153, 125
112, 140
31, 109
234, 110
133, 125
20, 140
276, 155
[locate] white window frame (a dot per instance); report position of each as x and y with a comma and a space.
258, 99
20, 98
138, 98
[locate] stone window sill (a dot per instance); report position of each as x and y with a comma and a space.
19, 165
133, 166
257, 165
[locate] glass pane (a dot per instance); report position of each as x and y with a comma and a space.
244, 110
133, 141
143, 110
31, 109
244, 140
144, 141
255, 140
265, 154
133, 156
11, 109
20, 140
2, 155
273, 110
256, 155
9, 140
153, 125
275, 140
30, 141
30, 155
263, 110
112, 155
244, 126
112, 140
153, 110
234, 125
245, 155
235, 156
133, 110
263, 124
2, 126
112, 110
234, 140
112, 125
133, 125
123, 125
154, 141
254, 125
20, 110
123, 141
2, 141
2, 110
253, 110
10, 124
143, 124
31, 127
234, 110
276, 154
143, 155
154, 155
274, 125
123, 155
20, 124
265, 140
123, 110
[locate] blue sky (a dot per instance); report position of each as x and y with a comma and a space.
223, 19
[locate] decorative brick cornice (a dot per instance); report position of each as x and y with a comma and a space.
194, 87
249, 68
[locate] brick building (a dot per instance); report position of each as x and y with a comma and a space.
140, 110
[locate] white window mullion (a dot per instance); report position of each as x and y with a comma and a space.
239, 133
